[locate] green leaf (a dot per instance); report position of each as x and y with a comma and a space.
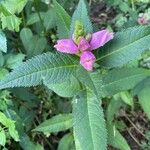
68, 88
2, 137
56, 124
34, 18
37, 45
11, 22
91, 80
13, 60
3, 73
26, 35
113, 81
13, 132
27, 144
66, 143
116, 139
14, 6
63, 20
81, 14
123, 79
144, 96
127, 98
3, 42
10, 124
89, 124
125, 47
49, 67
113, 108
50, 19
1, 59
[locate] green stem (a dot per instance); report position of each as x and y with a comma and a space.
23, 18
133, 6
39, 15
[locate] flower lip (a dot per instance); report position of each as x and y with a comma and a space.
87, 60
66, 46
83, 45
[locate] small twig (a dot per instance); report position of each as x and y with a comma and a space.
135, 127
133, 137
90, 2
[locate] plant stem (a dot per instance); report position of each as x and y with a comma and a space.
39, 15
133, 138
23, 18
133, 6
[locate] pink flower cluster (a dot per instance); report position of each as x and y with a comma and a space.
143, 19
85, 47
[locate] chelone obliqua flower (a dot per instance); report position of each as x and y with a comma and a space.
83, 45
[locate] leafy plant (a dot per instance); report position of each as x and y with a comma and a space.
96, 88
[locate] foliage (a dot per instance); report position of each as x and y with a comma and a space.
44, 91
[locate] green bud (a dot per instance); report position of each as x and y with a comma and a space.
78, 32
88, 37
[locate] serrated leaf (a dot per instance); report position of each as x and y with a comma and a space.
63, 20
89, 124
56, 124
119, 80
66, 143
11, 22
81, 14
3, 42
127, 45
68, 88
2, 137
90, 80
52, 68
13, 60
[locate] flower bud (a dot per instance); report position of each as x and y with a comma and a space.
88, 37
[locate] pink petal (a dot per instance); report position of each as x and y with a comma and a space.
66, 46
100, 38
87, 60
83, 45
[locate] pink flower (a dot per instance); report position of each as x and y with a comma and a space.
143, 19
85, 47
87, 60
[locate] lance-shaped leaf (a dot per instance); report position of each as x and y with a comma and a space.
112, 82
116, 139
81, 14
122, 79
125, 47
52, 68
63, 20
55, 124
89, 124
